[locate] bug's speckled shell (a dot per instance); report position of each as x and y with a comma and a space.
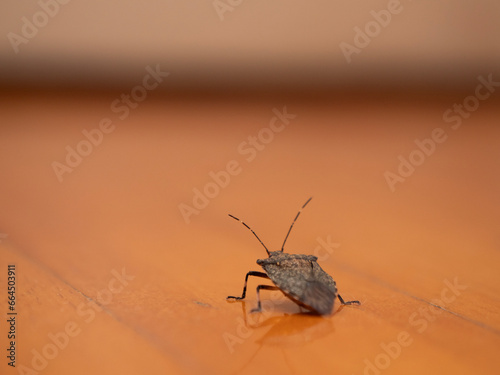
302, 279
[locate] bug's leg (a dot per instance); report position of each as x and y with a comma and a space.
348, 302
251, 273
259, 287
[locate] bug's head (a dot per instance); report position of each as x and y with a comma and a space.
274, 253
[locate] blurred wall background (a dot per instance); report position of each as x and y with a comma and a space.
218, 44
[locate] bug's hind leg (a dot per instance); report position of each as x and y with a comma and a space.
251, 273
348, 302
259, 287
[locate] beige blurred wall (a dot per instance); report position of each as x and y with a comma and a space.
288, 39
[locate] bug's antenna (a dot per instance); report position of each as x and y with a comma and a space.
262, 243
291, 226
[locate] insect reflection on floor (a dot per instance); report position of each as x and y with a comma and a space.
287, 331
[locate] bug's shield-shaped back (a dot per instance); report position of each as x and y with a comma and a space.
302, 279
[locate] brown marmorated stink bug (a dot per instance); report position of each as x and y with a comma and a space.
298, 276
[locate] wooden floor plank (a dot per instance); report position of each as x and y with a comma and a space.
423, 260
61, 330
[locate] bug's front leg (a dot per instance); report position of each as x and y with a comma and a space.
259, 287
348, 302
251, 273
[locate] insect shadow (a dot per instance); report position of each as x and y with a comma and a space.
287, 331
287, 324
298, 276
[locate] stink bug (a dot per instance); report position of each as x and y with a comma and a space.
298, 276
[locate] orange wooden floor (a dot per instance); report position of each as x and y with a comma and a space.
122, 267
